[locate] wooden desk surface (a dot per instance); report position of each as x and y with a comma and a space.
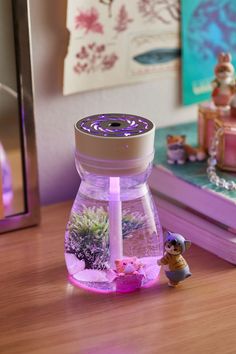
42, 313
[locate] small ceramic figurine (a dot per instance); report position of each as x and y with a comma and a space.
224, 83
179, 152
176, 268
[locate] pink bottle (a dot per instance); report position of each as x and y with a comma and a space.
113, 238
226, 156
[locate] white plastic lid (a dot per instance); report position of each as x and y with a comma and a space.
114, 144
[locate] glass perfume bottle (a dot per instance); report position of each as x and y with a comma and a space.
113, 238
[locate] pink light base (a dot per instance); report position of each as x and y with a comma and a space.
87, 288
78, 284
128, 283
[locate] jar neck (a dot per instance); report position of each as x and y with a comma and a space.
103, 167
91, 191
99, 187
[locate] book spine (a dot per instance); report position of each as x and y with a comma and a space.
201, 232
205, 201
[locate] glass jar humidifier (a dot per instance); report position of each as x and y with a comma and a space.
113, 238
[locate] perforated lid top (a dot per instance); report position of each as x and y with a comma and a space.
114, 144
114, 125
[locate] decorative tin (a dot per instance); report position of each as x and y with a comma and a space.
226, 156
207, 112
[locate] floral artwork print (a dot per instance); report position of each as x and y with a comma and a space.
88, 20
116, 42
123, 20
165, 11
93, 57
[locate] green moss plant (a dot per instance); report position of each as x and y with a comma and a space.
88, 235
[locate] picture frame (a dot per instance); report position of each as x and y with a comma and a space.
30, 213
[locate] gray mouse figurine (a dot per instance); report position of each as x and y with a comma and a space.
176, 267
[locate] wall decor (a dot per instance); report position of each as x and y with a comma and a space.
116, 42
19, 181
208, 28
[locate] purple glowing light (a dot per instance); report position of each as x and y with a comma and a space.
115, 125
6, 178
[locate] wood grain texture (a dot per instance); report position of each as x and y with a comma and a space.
41, 313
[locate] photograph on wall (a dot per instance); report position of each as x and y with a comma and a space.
208, 28
116, 42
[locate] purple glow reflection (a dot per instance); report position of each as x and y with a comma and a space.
6, 178
112, 125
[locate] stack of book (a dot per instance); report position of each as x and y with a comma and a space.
188, 203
